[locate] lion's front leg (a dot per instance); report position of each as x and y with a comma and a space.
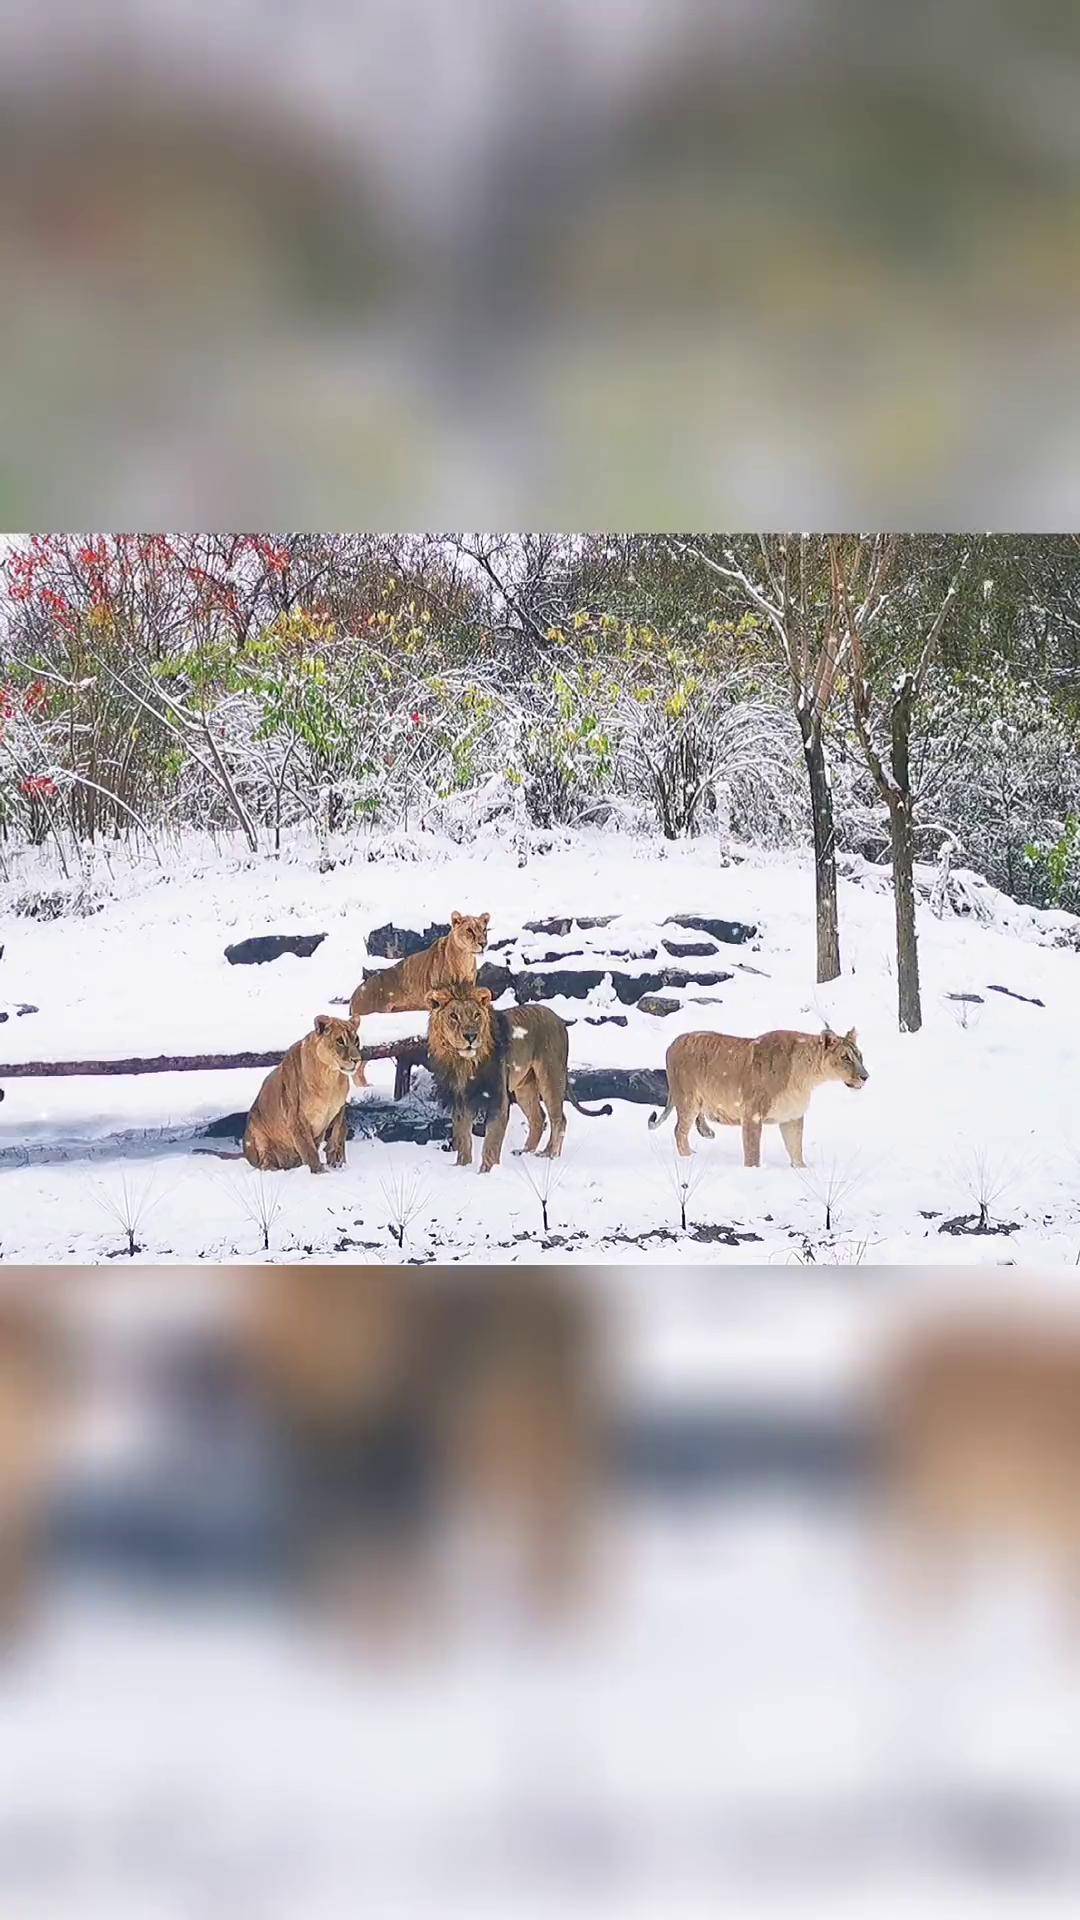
462, 1135
495, 1134
308, 1146
335, 1139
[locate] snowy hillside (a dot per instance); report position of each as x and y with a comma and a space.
979, 1106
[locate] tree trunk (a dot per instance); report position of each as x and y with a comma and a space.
902, 838
907, 951
821, 808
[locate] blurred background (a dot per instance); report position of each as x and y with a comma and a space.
329, 1590
408, 263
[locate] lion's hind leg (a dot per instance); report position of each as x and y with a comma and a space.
552, 1096
688, 1111
527, 1094
704, 1128
792, 1134
269, 1155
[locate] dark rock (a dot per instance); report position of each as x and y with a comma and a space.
657, 1004
625, 953
745, 967
498, 980
601, 920
557, 928
270, 946
676, 977
24, 1007
600, 1020
973, 999
577, 982
400, 943
1027, 998
547, 959
690, 949
705, 999
734, 933
645, 1086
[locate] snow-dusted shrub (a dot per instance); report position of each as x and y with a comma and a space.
1005, 776
565, 749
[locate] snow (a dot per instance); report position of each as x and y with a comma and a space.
987, 1086
734, 1717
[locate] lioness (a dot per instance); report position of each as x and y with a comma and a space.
482, 1060
981, 1424
301, 1102
746, 1083
404, 987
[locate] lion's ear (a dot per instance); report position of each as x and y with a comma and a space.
484, 918
852, 1035
483, 994
455, 919
438, 997
323, 1022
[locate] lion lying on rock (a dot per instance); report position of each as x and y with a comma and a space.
404, 987
301, 1102
482, 1060
751, 1083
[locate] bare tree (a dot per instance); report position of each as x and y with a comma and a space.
787, 589
862, 572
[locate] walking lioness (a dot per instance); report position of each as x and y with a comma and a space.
302, 1102
749, 1083
481, 1060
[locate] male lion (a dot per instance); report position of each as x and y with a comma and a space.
301, 1102
746, 1083
404, 987
482, 1060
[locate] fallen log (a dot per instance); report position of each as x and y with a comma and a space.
410, 1051
642, 1085
412, 1118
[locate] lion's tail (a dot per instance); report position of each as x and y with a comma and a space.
591, 1113
658, 1119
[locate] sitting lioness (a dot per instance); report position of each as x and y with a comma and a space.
747, 1083
404, 987
301, 1102
482, 1060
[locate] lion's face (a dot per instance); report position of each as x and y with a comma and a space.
470, 930
460, 1021
846, 1060
338, 1043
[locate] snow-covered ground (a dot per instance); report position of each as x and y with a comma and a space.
735, 1716
984, 1096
